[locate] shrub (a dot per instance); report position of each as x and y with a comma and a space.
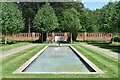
2, 39
116, 38
97, 41
23, 40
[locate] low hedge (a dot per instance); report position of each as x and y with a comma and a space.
116, 38
2, 39
98, 41
95, 41
23, 40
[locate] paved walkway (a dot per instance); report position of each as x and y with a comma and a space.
105, 51
15, 50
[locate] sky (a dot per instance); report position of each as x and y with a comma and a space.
95, 4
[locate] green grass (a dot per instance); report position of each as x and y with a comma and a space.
113, 47
107, 64
6, 47
11, 63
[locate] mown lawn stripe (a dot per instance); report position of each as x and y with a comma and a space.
8, 58
19, 57
101, 63
10, 66
18, 62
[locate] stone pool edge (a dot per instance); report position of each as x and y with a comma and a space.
91, 64
26, 64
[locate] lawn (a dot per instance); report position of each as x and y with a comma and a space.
113, 47
6, 47
107, 64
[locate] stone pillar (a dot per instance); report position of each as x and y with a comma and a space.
85, 36
33, 35
65, 36
53, 37
13, 35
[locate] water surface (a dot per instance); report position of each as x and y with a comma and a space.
57, 59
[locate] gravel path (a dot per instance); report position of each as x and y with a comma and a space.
15, 50
105, 51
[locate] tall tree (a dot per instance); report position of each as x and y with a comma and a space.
108, 18
29, 9
89, 20
105, 19
61, 6
11, 19
70, 21
45, 19
117, 23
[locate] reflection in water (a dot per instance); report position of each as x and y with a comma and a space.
56, 48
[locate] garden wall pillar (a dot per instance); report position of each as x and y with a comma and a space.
33, 35
85, 36
13, 35
65, 36
53, 36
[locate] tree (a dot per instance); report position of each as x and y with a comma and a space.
89, 20
29, 9
11, 19
117, 18
29, 18
45, 19
61, 6
109, 18
105, 19
70, 21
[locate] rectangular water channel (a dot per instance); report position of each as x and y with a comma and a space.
57, 59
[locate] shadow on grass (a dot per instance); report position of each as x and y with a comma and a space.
114, 48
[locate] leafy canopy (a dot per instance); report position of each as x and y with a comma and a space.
11, 18
45, 19
70, 21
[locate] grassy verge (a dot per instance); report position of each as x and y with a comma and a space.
6, 47
13, 62
113, 47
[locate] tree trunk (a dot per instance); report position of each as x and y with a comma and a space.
42, 36
71, 38
46, 37
29, 26
5, 39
